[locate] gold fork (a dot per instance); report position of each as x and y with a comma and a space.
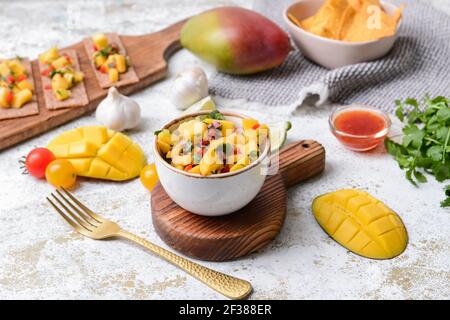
93, 226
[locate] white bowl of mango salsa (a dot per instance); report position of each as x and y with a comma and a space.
212, 163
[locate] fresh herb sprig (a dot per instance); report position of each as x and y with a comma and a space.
426, 141
216, 115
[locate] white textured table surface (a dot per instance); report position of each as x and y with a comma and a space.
41, 257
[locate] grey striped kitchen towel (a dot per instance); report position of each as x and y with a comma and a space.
419, 64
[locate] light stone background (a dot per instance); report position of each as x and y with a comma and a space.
41, 257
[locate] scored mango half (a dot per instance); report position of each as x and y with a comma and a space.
361, 223
97, 152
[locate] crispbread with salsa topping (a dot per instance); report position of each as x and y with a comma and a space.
78, 95
31, 107
126, 78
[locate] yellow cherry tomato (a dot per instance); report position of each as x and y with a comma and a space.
149, 176
61, 173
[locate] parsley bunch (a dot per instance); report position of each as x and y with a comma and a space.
426, 141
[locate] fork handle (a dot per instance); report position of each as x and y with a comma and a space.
231, 287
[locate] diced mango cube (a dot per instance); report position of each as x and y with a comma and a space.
21, 98
25, 84
100, 40
59, 82
113, 75
60, 63
78, 76
17, 68
165, 136
4, 97
49, 56
249, 123
4, 69
195, 169
62, 94
121, 63
99, 60
70, 79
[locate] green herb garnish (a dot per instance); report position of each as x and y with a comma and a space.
157, 132
105, 52
54, 72
425, 147
216, 115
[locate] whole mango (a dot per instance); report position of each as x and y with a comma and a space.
236, 40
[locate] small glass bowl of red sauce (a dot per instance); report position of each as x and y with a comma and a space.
360, 128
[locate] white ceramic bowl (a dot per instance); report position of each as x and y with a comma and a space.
330, 53
213, 195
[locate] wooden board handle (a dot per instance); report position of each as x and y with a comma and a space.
300, 161
171, 36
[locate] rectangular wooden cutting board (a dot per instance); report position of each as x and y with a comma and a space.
148, 54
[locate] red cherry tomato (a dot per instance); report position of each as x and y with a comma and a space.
37, 161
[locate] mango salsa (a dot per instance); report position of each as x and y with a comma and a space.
61, 70
212, 144
15, 87
97, 152
107, 58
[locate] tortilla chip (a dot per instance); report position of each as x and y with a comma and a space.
78, 95
30, 108
352, 20
126, 78
372, 23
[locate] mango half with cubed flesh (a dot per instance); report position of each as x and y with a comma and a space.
97, 152
361, 223
236, 40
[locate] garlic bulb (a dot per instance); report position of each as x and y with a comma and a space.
191, 85
118, 112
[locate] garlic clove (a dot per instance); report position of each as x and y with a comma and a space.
118, 112
131, 112
190, 86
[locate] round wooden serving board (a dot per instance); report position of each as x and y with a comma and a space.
247, 230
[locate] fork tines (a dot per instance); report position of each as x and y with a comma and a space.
80, 217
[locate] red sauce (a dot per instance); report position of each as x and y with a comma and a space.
359, 122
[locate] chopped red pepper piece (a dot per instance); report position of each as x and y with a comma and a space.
103, 69
188, 167
10, 97
47, 71
21, 77
95, 47
256, 126
10, 79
